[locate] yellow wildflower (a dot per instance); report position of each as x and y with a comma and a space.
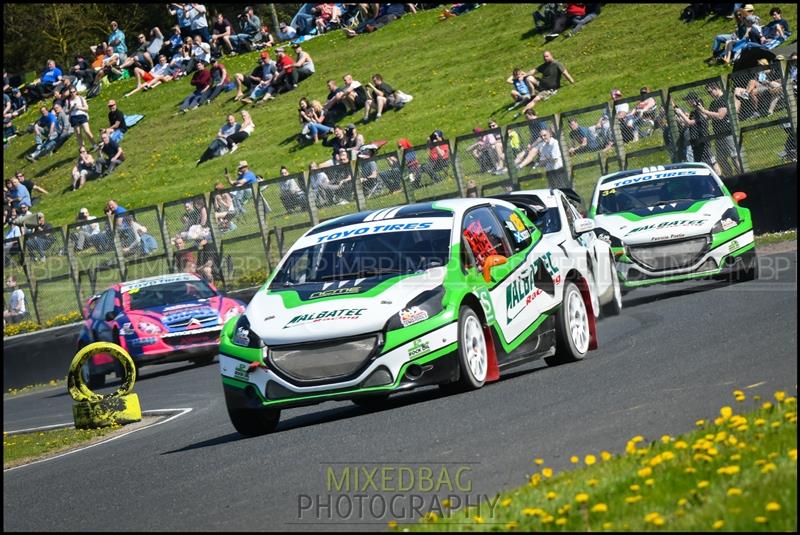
574, 459
645, 472
603, 508
506, 502
561, 521
590, 460
767, 468
681, 445
761, 520
703, 484
793, 454
551, 495
592, 482
635, 488
773, 506
392, 524
633, 499
780, 395
478, 519
766, 405
547, 472
606, 456
734, 491
538, 461
718, 524
512, 525
581, 497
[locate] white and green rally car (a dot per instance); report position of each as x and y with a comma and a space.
672, 223
450, 293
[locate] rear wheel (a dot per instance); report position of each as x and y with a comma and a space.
613, 307
254, 422
473, 356
572, 328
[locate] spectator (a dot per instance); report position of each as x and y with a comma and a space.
283, 80
550, 82
17, 311
63, 130
223, 31
141, 57
135, 239
720, 41
570, 17
224, 209
116, 40
776, 31
242, 133
303, 65
244, 175
198, 24
220, 81
219, 145
116, 120
585, 138
263, 89
201, 51
383, 96
550, 158
438, 157
173, 45
698, 130
18, 193
251, 29
767, 80
84, 169
285, 32
313, 118
82, 70
111, 155
201, 81
88, 234
353, 94
45, 131
334, 106
182, 62
323, 190
592, 12
327, 16
621, 112
488, 151
29, 185
113, 208
641, 120
110, 66
184, 24
352, 140
161, 72
752, 34
40, 239
252, 80
523, 87
292, 195
44, 85
531, 152
717, 111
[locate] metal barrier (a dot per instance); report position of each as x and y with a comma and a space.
221, 237
430, 172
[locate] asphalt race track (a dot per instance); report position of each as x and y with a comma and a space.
673, 356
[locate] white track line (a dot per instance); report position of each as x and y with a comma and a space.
181, 413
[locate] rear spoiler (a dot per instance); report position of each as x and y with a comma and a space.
532, 205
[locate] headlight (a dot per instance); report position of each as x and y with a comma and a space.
244, 336
424, 306
607, 237
728, 220
149, 328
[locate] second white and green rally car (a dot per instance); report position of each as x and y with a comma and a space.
450, 293
673, 223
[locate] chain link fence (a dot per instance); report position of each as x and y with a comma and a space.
238, 235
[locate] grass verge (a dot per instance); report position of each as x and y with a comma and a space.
776, 237
53, 383
736, 473
27, 447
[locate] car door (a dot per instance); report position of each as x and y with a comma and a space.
102, 329
581, 251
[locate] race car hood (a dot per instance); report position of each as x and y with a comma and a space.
183, 316
666, 222
315, 312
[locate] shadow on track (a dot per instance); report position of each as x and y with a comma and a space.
660, 294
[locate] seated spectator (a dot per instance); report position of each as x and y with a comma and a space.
352, 140
303, 65
353, 94
285, 32
328, 191
292, 195
334, 106
641, 120
721, 40
386, 14
84, 169
776, 31
752, 34
488, 151
63, 131
201, 50
43, 86
251, 30
134, 238
111, 155
262, 89
44, 130
17, 311
243, 133
224, 209
89, 234
82, 70
219, 146
116, 123
438, 157
531, 153
369, 178
182, 62
173, 45
327, 16
383, 96
592, 12
29, 185
40, 238
550, 82
584, 138
569, 17
110, 67
312, 117
767, 81
523, 87
458, 9
201, 81
220, 81
161, 72
18, 194
222, 34
283, 80
244, 175
140, 57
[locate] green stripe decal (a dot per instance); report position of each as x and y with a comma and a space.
511, 346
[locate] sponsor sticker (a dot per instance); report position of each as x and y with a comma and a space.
180, 277
240, 372
646, 178
733, 246
728, 223
669, 224
410, 316
325, 315
335, 292
374, 229
517, 222
419, 348
241, 337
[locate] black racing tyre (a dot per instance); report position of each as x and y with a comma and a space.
96, 380
749, 270
204, 360
254, 422
473, 356
613, 307
572, 328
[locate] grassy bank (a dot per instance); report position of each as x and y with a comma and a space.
735, 473
27, 447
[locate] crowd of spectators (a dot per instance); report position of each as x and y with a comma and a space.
749, 33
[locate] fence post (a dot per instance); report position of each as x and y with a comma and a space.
462, 192
361, 202
736, 129
73, 268
162, 224
312, 200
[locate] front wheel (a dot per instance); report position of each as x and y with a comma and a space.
613, 307
749, 270
254, 422
572, 328
473, 357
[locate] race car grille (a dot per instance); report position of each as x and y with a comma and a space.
194, 336
672, 255
315, 362
202, 317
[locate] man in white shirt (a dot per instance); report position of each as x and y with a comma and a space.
17, 310
550, 152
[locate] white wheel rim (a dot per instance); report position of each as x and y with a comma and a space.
578, 321
474, 345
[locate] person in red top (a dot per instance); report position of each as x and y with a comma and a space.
283, 80
439, 157
202, 86
573, 12
326, 14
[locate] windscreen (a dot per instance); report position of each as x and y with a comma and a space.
169, 293
640, 197
364, 256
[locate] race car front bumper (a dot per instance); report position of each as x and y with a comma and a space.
724, 258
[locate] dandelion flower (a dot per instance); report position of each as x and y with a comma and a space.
630, 500
773, 506
551, 495
767, 468
650, 482
538, 461
506, 502
603, 508
700, 423
726, 412
703, 484
766, 405
761, 520
780, 395
606, 456
734, 491
793, 454
590, 460
718, 524
392, 524
681, 445
581, 497
561, 521
645, 472
512, 525
478, 519
574, 459
666, 439
547, 472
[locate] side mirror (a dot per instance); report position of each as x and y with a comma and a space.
739, 196
583, 225
492, 261
110, 315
